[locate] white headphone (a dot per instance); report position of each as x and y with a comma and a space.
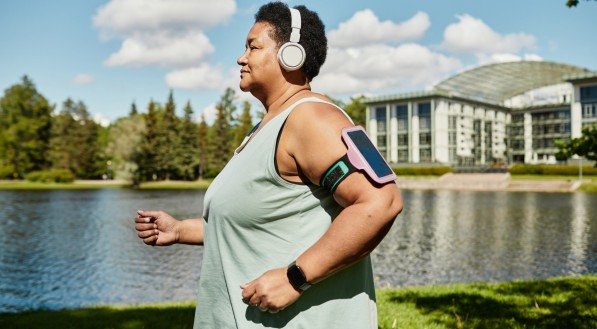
291, 55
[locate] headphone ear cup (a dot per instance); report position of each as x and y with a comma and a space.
291, 56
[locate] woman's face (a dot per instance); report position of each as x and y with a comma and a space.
259, 63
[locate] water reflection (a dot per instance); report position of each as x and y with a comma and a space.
452, 236
75, 248
579, 233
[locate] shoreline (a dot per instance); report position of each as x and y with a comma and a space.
455, 182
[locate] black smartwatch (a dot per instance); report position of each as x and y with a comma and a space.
297, 278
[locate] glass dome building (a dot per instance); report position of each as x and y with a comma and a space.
497, 113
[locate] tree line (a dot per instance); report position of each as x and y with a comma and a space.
143, 146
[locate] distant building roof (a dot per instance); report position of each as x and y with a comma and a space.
495, 83
582, 76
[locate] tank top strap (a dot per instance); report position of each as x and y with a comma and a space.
284, 115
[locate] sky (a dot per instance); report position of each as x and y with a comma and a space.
111, 53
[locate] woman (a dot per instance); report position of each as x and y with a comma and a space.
281, 250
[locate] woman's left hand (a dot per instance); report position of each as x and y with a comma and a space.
270, 292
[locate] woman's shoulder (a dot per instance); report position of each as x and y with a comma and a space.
318, 109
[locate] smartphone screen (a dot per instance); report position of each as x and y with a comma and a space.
371, 154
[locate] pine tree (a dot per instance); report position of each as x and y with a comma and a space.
167, 150
145, 156
62, 151
189, 145
245, 124
133, 111
220, 147
25, 128
227, 102
203, 150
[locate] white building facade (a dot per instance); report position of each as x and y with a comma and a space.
494, 114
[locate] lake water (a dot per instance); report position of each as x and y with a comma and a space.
63, 249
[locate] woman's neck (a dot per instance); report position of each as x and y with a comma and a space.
276, 102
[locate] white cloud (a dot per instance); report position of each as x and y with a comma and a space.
202, 77
128, 17
101, 120
364, 28
368, 56
167, 33
532, 57
209, 113
472, 35
382, 67
164, 48
82, 79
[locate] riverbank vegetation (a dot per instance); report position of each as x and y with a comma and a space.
567, 302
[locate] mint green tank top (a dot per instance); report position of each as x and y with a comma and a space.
256, 221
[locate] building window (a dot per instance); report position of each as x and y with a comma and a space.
424, 116
381, 142
381, 117
425, 154
452, 139
452, 157
588, 110
403, 140
402, 117
402, 155
425, 139
424, 109
588, 93
452, 122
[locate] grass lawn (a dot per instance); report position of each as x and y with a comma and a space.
84, 185
569, 302
80, 185
176, 185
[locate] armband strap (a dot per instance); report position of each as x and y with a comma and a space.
336, 173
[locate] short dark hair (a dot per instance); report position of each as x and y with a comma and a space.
313, 37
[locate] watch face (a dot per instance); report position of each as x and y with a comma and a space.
296, 277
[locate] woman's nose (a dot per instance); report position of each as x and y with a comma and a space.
242, 59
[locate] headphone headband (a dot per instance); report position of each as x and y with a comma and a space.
295, 17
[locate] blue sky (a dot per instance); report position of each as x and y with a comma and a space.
111, 53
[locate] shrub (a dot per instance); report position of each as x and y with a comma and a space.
52, 175
7, 172
525, 169
416, 170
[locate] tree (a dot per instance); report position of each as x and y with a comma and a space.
167, 150
124, 139
203, 146
227, 102
584, 146
220, 147
189, 145
572, 3
133, 111
356, 109
221, 132
145, 156
62, 150
25, 127
245, 124
75, 142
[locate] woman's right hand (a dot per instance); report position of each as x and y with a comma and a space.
157, 228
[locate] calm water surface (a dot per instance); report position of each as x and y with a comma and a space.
63, 249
